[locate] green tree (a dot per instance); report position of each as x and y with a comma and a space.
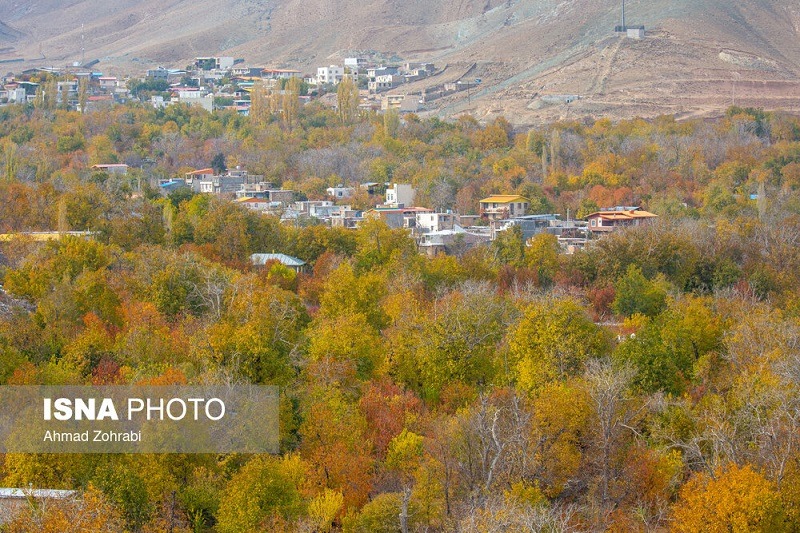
218, 163
377, 244
509, 247
636, 294
456, 343
265, 492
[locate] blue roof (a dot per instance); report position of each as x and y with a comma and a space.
288, 260
174, 183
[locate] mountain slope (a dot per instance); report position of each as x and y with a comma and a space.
698, 57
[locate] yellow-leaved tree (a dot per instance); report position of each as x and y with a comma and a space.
552, 342
735, 499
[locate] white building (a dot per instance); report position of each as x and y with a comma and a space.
332, 74
205, 101
635, 33
17, 95
108, 83
355, 63
400, 195
383, 78
340, 192
354, 66
428, 222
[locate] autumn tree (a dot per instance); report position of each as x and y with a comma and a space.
93, 512
541, 255
347, 100
552, 341
290, 103
264, 494
457, 343
735, 499
335, 446
343, 350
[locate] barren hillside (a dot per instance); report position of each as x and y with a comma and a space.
698, 57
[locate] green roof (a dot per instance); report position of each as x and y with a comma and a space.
288, 260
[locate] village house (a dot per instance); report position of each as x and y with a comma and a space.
12, 93
326, 212
219, 185
404, 103
108, 83
305, 207
98, 101
245, 72
467, 220
382, 79
607, 220
414, 71
397, 217
450, 241
262, 205
346, 217
374, 187
428, 222
502, 206
262, 190
193, 96
355, 62
159, 73
282, 196
340, 192
68, 89
279, 73
400, 195
322, 210
332, 74
193, 178
112, 168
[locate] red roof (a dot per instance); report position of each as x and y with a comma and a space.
201, 172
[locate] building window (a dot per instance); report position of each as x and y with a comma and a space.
594, 222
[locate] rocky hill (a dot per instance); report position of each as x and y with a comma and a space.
532, 56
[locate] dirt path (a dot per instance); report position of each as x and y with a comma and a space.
610, 54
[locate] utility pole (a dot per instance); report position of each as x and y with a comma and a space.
623, 15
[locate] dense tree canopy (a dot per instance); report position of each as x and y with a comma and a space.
647, 382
